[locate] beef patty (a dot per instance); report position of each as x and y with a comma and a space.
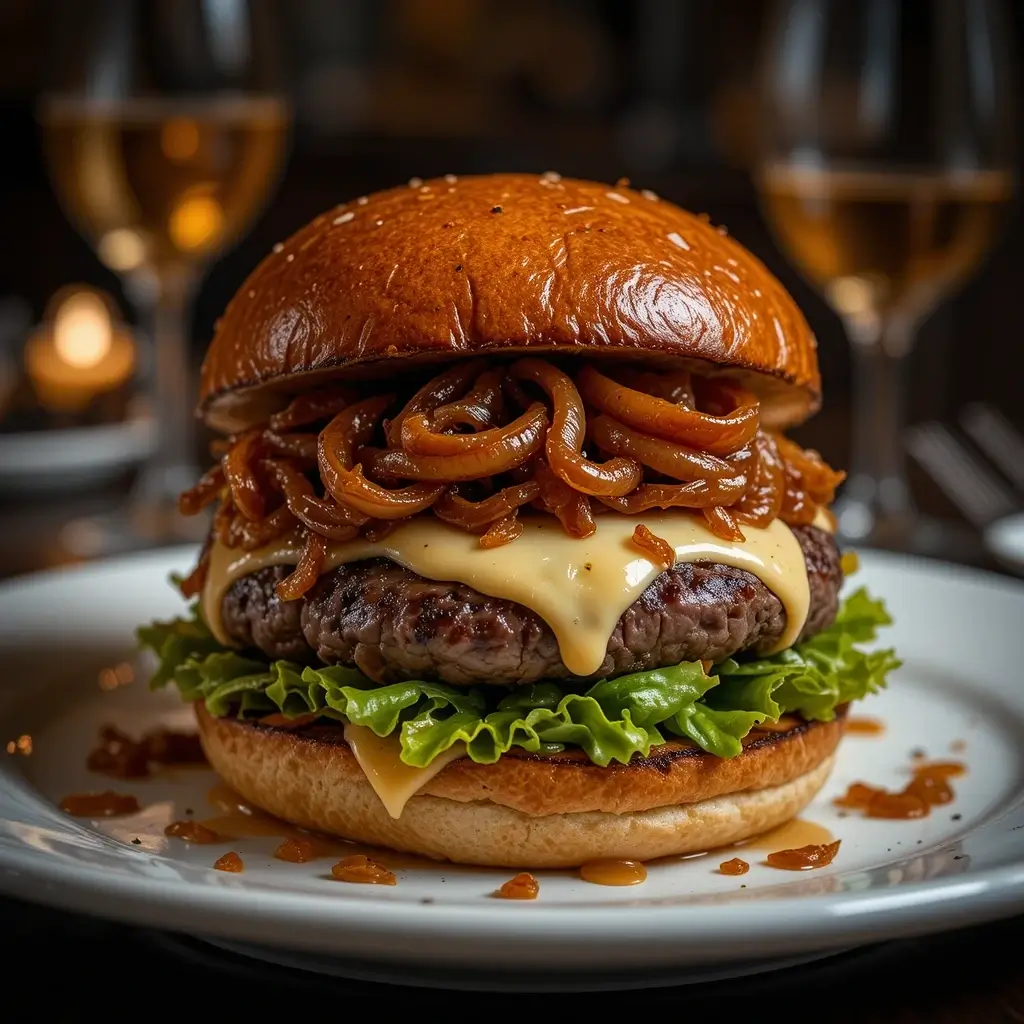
395, 625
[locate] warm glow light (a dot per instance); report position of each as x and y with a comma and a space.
82, 332
851, 296
121, 249
81, 351
195, 222
179, 139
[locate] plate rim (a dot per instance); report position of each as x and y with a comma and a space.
822, 920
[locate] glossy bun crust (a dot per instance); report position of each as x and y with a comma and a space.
526, 811
504, 263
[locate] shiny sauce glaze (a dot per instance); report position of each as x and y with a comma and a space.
795, 833
928, 787
107, 804
733, 867
817, 855
229, 862
297, 851
362, 869
522, 887
862, 725
613, 872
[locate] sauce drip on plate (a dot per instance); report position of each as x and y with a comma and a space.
613, 872
107, 804
928, 787
733, 867
863, 726
229, 862
806, 857
522, 887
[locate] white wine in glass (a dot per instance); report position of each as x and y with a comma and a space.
160, 181
886, 167
165, 129
884, 242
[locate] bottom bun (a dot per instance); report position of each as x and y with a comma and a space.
313, 781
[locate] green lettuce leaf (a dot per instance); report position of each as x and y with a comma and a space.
613, 720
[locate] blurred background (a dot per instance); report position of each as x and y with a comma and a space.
866, 150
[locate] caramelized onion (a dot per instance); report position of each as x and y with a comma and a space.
504, 449
299, 446
674, 386
762, 501
477, 515
504, 531
246, 490
201, 494
307, 572
194, 582
670, 440
722, 523
346, 483
656, 548
438, 391
313, 407
258, 534
719, 435
571, 508
564, 445
480, 409
696, 494
672, 460
325, 517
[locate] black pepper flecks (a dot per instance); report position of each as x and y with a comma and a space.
458, 267
136, 841
956, 817
496, 209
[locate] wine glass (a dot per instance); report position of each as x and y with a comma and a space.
884, 167
165, 129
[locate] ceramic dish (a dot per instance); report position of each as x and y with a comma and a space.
957, 697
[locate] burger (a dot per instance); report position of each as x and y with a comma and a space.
511, 561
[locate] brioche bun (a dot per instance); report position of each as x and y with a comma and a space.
528, 811
502, 264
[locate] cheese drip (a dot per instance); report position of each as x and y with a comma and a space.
392, 779
579, 587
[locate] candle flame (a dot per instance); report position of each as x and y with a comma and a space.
82, 332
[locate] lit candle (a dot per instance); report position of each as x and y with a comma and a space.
79, 353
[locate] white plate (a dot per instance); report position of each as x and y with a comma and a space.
961, 634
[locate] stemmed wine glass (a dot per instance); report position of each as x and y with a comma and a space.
886, 162
165, 128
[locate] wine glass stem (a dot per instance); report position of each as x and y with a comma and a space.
163, 304
877, 503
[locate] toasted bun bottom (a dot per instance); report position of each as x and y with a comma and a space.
315, 783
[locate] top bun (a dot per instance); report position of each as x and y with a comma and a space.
502, 264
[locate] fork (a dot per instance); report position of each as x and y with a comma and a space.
975, 489
993, 433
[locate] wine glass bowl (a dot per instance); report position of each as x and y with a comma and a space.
165, 128
162, 183
885, 165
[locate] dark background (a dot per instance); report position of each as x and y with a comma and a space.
657, 90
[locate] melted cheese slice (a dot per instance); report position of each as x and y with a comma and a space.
580, 588
392, 779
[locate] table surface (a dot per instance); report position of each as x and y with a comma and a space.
971, 975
